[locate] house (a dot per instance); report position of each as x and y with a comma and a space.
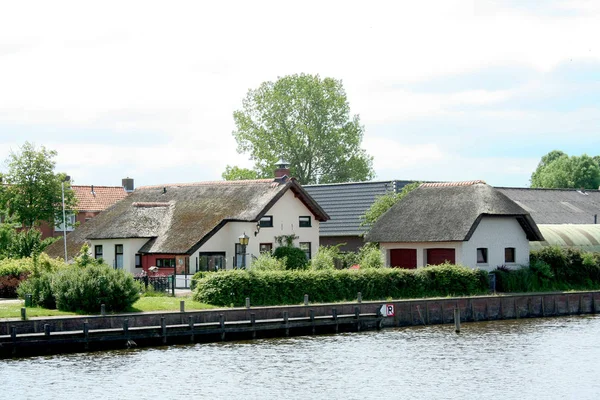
566, 217
185, 228
91, 201
346, 203
468, 223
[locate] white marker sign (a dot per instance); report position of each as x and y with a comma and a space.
387, 310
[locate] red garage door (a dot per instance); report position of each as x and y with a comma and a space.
403, 258
439, 256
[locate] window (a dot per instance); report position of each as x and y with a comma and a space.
509, 255
165, 262
304, 222
238, 260
119, 256
482, 255
97, 251
138, 261
305, 246
265, 248
266, 221
70, 218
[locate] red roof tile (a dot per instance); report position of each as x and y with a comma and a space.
446, 184
102, 197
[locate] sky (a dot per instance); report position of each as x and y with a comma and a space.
446, 90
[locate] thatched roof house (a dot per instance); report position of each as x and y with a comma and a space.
464, 222
175, 221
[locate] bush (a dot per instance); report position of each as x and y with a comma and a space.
294, 257
85, 289
325, 258
40, 288
267, 262
369, 256
289, 287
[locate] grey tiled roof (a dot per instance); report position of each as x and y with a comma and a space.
557, 206
345, 203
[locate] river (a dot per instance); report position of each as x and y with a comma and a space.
552, 358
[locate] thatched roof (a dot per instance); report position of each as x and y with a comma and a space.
178, 218
441, 213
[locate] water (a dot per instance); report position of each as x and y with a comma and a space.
555, 358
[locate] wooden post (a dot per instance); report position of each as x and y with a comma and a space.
580, 304
86, 334
568, 306
487, 309
47, 330
163, 325
516, 309
500, 309
13, 336
28, 300
305, 299
555, 312
103, 309
312, 320
182, 306
543, 307
253, 323
285, 321
222, 325
335, 318
126, 328
529, 307
472, 310
247, 302
359, 297
191, 324
457, 320
410, 314
357, 317
23, 313
593, 304
427, 311
443, 316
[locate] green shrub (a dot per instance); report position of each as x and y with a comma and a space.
289, 287
267, 262
369, 256
40, 288
85, 289
325, 258
294, 257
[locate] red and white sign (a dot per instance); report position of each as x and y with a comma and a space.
387, 310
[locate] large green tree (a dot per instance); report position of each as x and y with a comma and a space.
306, 121
240, 174
32, 190
557, 170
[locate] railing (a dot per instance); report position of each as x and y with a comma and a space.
158, 283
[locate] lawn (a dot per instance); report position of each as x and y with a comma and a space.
12, 309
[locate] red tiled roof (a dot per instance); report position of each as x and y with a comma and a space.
446, 184
243, 182
102, 197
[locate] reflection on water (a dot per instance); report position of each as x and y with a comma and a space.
525, 359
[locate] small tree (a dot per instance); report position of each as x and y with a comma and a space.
33, 191
384, 203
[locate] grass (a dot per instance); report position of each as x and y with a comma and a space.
12, 309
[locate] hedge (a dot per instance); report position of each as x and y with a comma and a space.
325, 286
551, 269
15, 271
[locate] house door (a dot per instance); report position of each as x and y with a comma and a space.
439, 256
403, 258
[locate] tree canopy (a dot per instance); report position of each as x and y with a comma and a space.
306, 121
32, 190
240, 174
557, 170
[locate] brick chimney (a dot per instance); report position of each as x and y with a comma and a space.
127, 184
283, 169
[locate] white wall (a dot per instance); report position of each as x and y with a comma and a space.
285, 212
422, 250
496, 234
130, 249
